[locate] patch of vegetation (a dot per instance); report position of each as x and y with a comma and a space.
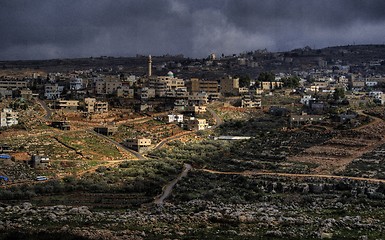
217, 188
143, 179
252, 126
88, 144
265, 151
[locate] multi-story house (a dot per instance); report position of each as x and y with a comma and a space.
8, 117
166, 85
229, 86
11, 83
107, 85
198, 98
195, 124
251, 102
53, 91
138, 144
71, 105
195, 85
92, 105
76, 83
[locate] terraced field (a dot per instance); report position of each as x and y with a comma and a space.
335, 154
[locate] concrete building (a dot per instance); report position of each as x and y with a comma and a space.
147, 93
39, 162
175, 118
113, 84
26, 94
382, 99
357, 84
229, 86
76, 83
251, 102
70, 105
125, 92
158, 85
11, 83
375, 94
108, 85
8, 117
195, 124
180, 105
243, 91
4, 148
53, 91
92, 105
62, 125
195, 85
271, 85
198, 98
180, 92
138, 144
195, 109
304, 118
5, 93
166, 85
305, 100
107, 131
371, 83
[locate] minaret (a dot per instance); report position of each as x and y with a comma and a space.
149, 65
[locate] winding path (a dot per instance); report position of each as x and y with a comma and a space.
120, 146
168, 188
218, 120
48, 111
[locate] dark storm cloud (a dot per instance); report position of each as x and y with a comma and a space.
80, 28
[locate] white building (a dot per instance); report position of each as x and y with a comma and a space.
175, 118
371, 83
8, 117
375, 94
76, 83
305, 100
53, 91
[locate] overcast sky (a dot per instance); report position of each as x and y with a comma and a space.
44, 29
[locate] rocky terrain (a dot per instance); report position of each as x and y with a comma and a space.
320, 218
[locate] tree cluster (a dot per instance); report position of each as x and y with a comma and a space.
339, 94
266, 77
291, 82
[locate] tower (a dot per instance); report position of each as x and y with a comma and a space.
149, 65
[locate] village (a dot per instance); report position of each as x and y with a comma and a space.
294, 123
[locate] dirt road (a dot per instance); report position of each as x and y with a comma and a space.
168, 188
